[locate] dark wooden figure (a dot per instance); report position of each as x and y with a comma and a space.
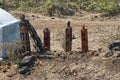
68, 38
24, 28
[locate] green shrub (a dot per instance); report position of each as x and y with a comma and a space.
61, 7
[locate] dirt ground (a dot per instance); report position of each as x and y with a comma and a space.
75, 65
101, 30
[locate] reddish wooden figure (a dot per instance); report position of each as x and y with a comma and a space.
84, 39
46, 39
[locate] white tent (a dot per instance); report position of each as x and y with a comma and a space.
9, 31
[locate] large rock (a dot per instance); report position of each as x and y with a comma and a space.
118, 55
24, 70
27, 61
108, 54
27, 53
115, 45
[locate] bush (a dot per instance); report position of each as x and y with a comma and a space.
61, 7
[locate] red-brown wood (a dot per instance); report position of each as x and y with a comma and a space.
84, 39
46, 39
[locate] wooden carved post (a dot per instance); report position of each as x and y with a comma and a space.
84, 39
68, 37
46, 39
24, 34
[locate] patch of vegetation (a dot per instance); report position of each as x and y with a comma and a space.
62, 7
13, 51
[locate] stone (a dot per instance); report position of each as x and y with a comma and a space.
24, 70
52, 18
114, 44
108, 54
33, 15
116, 48
118, 55
27, 61
99, 49
27, 53
96, 54
116, 61
95, 16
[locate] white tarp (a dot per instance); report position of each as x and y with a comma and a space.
9, 31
